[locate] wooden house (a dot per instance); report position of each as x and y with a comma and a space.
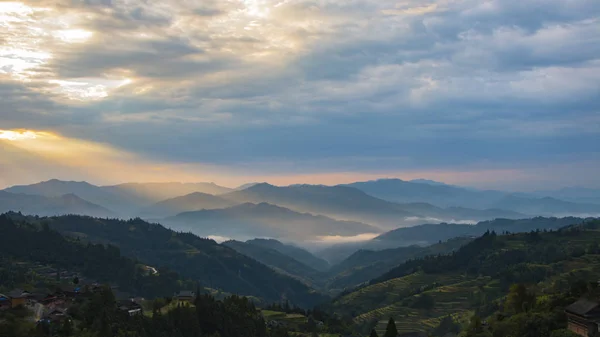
584, 318
185, 296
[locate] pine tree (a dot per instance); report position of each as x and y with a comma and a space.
373, 333
390, 330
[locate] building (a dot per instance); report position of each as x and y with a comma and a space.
18, 297
584, 318
185, 296
131, 307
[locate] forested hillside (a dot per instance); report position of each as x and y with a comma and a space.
279, 261
474, 281
213, 265
101, 315
365, 265
40, 244
297, 253
432, 233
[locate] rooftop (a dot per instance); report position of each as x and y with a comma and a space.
582, 307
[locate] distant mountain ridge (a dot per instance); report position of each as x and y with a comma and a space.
431, 233
148, 193
84, 190
335, 201
191, 202
572, 194
345, 202
429, 182
443, 195
345, 210
44, 206
265, 220
547, 206
124, 199
438, 194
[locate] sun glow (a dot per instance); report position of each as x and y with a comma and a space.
43, 154
73, 35
18, 135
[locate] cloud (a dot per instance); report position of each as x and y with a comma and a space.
335, 239
278, 88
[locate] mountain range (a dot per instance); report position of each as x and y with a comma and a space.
264, 220
125, 199
56, 205
573, 194
431, 233
568, 201
186, 203
306, 212
439, 194
344, 202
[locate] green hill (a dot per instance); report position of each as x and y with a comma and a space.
26, 243
419, 293
364, 265
278, 261
203, 260
432, 233
295, 252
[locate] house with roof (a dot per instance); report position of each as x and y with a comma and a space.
18, 297
185, 296
131, 307
584, 318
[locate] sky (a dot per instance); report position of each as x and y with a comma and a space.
498, 94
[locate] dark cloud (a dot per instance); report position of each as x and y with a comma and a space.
331, 85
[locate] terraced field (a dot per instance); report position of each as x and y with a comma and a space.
389, 292
292, 320
457, 299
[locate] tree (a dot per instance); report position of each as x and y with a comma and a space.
527, 325
447, 325
519, 299
373, 333
391, 330
593, 248
475, 326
